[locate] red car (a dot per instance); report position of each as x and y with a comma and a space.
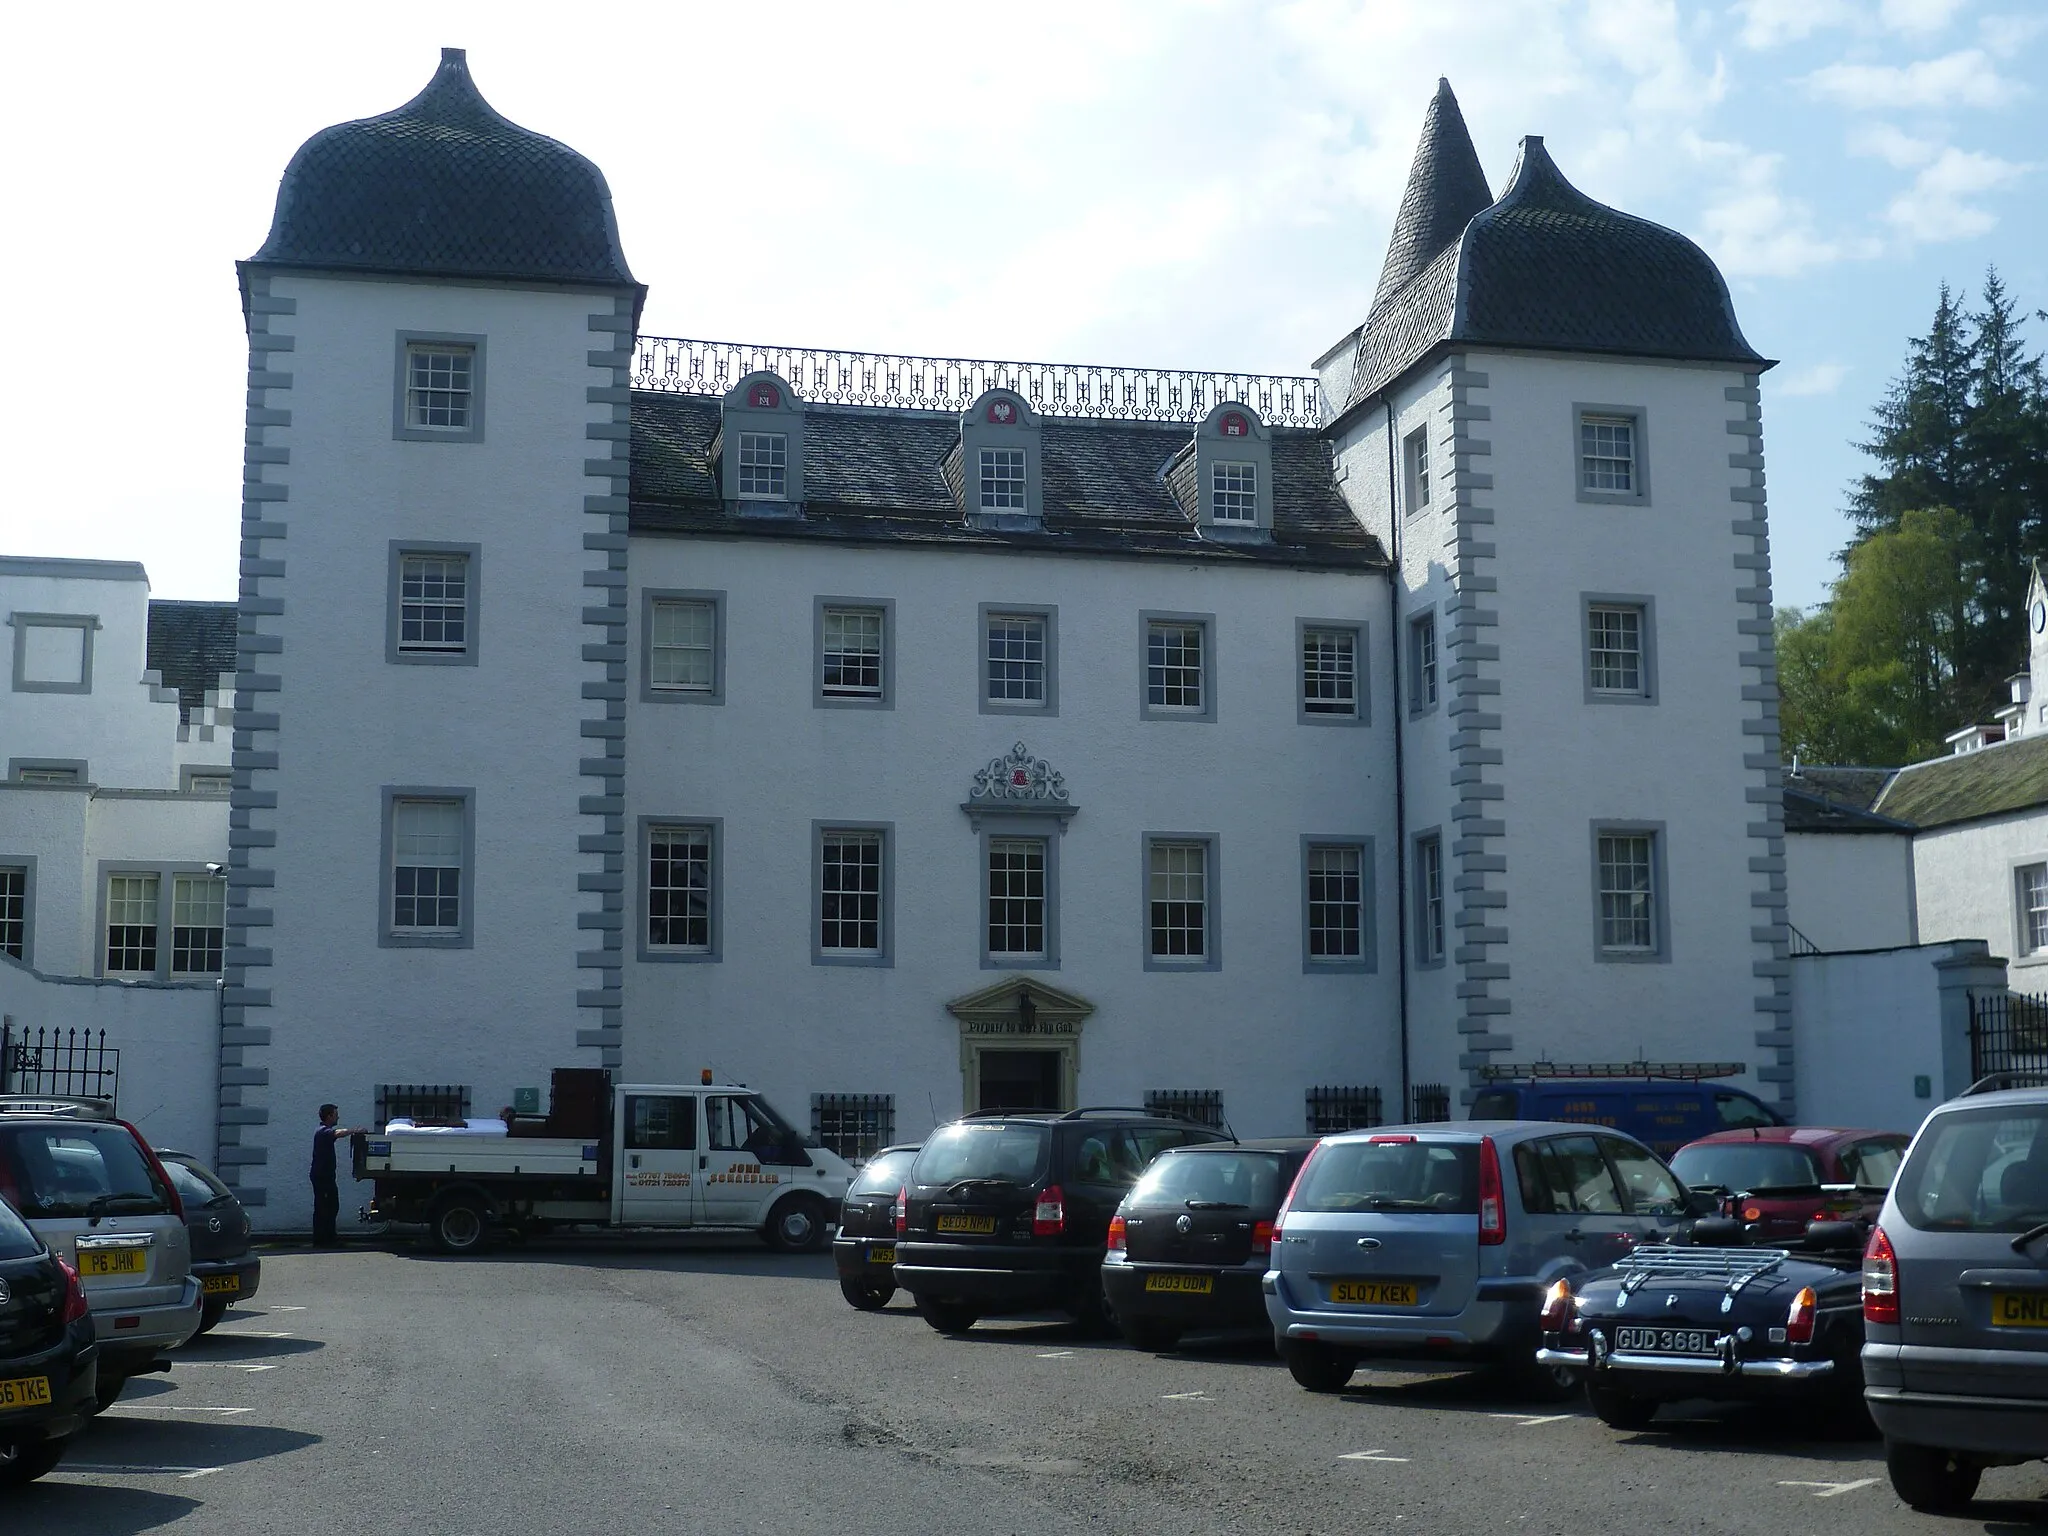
1776, 1176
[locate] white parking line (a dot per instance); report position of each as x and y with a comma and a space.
176, 1408
1056, 1354
1532, 1421
108, 1469
250, 1333
1828, 1490
228, 1365
1186, 1397
269, 1310
1369, 1456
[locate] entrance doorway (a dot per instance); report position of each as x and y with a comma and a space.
1019, 1080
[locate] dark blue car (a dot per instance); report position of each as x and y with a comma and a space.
1663, 1114
49, 1358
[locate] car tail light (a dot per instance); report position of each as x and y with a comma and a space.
902, 1210
1493, 1210
1557, 1307
1800, 1320
74, 1293
170, 1190
1262, 1238
1880, 1280
1280, 1217
1049, 1216
1116, 1234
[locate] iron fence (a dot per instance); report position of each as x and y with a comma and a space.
67, 1063
1432, 1103
2008, 1033
854, 1125
1342, 1109
1204, 1106
823, 376
421, 1101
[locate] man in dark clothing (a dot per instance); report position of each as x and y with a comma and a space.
326, 1194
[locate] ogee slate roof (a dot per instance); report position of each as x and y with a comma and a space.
190, 645
445, 187
876, 475
1446, 188
1992, 781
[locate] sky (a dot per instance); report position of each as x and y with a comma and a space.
1178, 183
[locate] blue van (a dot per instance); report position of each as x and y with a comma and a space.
1662, 1115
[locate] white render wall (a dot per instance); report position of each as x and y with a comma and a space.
1869, 1024
770, 764
1965, 881
1851, 890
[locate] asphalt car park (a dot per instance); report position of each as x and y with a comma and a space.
710, 1384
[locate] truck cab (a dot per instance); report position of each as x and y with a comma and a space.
720, 1157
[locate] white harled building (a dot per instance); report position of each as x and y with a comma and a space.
902, 736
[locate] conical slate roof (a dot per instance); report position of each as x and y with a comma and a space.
1446, 187
445, 187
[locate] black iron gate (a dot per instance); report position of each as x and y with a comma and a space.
2008, 1033
68, 1063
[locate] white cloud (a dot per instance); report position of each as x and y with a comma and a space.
1937, 206
1966, 78
1773, 23
1918, 15
1813, 379
1882, 141
2009, 34
1754, 228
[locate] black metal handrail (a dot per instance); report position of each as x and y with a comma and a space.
906, 381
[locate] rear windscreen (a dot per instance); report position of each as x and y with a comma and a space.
1745, 1165
1249, 1181
1011, 1152
882, 1175
1978, 1170
194, 1185
1438, 1176
77, 1170
16, 1241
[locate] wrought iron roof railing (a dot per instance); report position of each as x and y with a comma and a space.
821, 376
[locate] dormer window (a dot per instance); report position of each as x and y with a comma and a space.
1002, 480
1234, 492
760, 447
764, 466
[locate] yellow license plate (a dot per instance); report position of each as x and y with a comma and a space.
1189, 1285
2019, 1309
111, 1261
25, 1392
881, 1255
967, 1224
223, 1285
1374, 1293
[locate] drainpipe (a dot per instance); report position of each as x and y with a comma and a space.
1397, 705
220, 1031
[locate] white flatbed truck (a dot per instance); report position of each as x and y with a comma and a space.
662, 1157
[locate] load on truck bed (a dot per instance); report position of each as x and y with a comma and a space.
660, 1156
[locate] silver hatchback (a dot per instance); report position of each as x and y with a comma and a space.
1434, 1243
1955, 1298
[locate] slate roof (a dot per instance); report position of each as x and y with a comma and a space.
1544, 267
1806, 812
1992, 781
876, 475
1854, 789
190, 645
445, 187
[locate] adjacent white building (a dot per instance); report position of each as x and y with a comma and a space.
903, 736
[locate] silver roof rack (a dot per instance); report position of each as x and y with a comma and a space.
68, 1106
1736, 1267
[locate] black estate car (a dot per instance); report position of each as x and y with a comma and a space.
1189, 1244
227, 1271
1009, 1212
864, 1248
49, 1359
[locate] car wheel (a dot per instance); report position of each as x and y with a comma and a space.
947, 1316
459, 1223
1153, 1337
797, 1226
1620, 1410
1317, 1366
26, 1460
1929, 1479
868, 1295
1091, 1314
108, 1390
211, 1314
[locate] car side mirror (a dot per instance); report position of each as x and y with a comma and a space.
1700, 1202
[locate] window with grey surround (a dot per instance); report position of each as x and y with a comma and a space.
14, 911
1627, 886
679, 894
1607, 454
1233, 492
682, 645
1614, 648
198, 924
199, 781
1422, 663
1015, 657
1002, 480
850, 892
427, 858
1329, 672
30, 773
1178, 899
1175, 676
440, 387
52, 651
1429, 899
1016, 898
1336, 901
1415, 464
764, 466
433, 604
132, 924
2033, 903
851, 651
